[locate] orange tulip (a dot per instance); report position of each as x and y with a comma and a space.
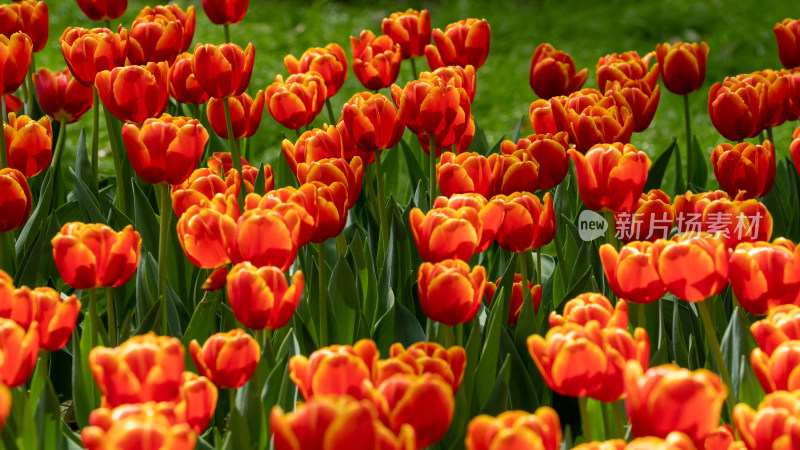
225, 12
730, 221
334, 422
549, 151
693, 268
674, 441
781, 325
588, 361
592, 306
651, 218
223, 70
30, 17
462, 43
329, 62
297, 101
13, 104
794, 148
781, 94
736, 110
372, 122
764, 275
245, 115
103, 9
183, 85
515, 430
515, 172
464, 173
261, 298
166, 149
460, 77
668, 398
19, 349
528, 223
745, 167
15, 57
490, 213
205, 230
204, 183
421, 358
787, 33
411, 29
55, 317
632, 272
335, 170
516, 297
778, 371
61, 96
448, 292
588, 117
227, 359
28, 144
297, 206
94, 255
642, 101
313, 145
446, 233
683, 66
198, 400
15, 199
722, 438
89, 52
376, 61
776, 423
611, 177
152, 426
156, 36
247, 243
134, 93
553, 73
448, 141
5, 405
625, 67
337, 370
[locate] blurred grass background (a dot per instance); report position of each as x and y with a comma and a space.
739, 34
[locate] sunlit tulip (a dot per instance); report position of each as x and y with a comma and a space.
592, 306
55, 316
778, 371
490, 213
204, 230
683, 66
460, 77
198, 400
553, 73
515, 172
30, 17
297, 101
782, 324
464, 173
335, 170
372, 122
313, 145
19, 349
174, 13
15, 199
445, 233
736, 109
625, 67
134, 93
103, 9
376, 60
650, 218
764, 275
693, 268
775, 423
632, 272
674, 441
549, 151
515, 430
297, 205
411, 29
183, 85
642, 101
516, 297
335, 370
62, 96
462, 43
155, 37
787, 33
152, 426
424, 357
223, 70
204, 183
245, 115
15, 57
228, 359
89, 52
94, 255
611, 176
330, 62
29, 144
261, 298
745, 167
448, 140
225, 12
528, 223
731, 221
449, 292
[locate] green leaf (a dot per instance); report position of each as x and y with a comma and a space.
678, 346
83, 394
89, 204
734, 346
237, 436
343, 284
260, 186
679, 186
202, 325
146, 222
497, 401
27, 236
699, 165
28, 271
518, 127
83, 166
656, 173
48, 417
480, 144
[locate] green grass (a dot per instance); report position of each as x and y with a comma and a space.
738, 33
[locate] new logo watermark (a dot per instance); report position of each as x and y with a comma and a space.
591, 225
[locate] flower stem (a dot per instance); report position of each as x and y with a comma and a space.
619, 419
523, 269
196, 111
236, 157
264, 339
232, 400
3, 152
713, 343
432, 170
586, 426
165, 210
227, 30
415, 74
96, 136
115, 152
93, 316
330, 112
561, 262
112, 317
611, 231
689, 165
341, 244
769, 135
539, 279
382, 203
323, 301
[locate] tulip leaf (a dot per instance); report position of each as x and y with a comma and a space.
28, 270
146, 222
48, 417
89, 204
202, 325
83, 166
678, 346
248, 404
699, 165
480, 144
656, 173
413, 163
27, 236
737, 342
518, 128
396, 176
237, 435
259, 186
521, 389
679, 186
497, 401
83, 399
343, 284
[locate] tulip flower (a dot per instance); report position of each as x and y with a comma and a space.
205, 231
683, 66
745, 167
528, 223
782, 324
183, 85
625, 67
13, 104
632, 272
732, 221
94, 255
592, 306
553, 73
297, 101
774, 422
30, 17
329, 62
29, 144
55, 317
89, 52
448, 140
651, 218
15, 57
462, 43
198, 400
460, 77
155, 37
313, 145
588, 361
549, 151
464, 173
334, 170
778, 371
103, 9
449, 292
153, 426
165, 150
145, 368
516, 297
590, 118
337, 370
15, 199
642, 101
411, 29
174, 13
225, 12
134, 93
541, 115
421, 358
261, 298
376, 61
5, 405
246, 243
62, 96
334, 422
515, 430
787, 33
204, 183
223, 70
372, 122
490, 213
764, 275
668, 398
299, 206
735, 109
693, 268
674, 441
227, 359
430, 106
245, 115
515, 172
611, 176
445, 233
19, 349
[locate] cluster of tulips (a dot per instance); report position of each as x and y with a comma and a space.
249, 238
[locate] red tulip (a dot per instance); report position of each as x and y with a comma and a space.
775, 422
736, 110
298, 206
223, 70
449, 292
62, 96
204, 183
89, 52
683, 66
411, 29
183, 85
651, 218
515, 172
225, 12
462, 43
589, 307
632, 272
150, 426
329, 62
549, 151
20, 349
764, 275
782, 324
517, 297
490, 213
103, 9
464, 173
204, 231
745, 167
642, 101
30, 17
692, 268
335, 170
553, 73
296, 102
376, 61
528, 222
245, 115
422, 358
15, 199
155, 36
261, 298
461, 77
625, 67
173, 12
229, 359
29, 144
336, 370
588, 117
515, 430
372, 122
15, 57
794, 148
55, 317
448, 141
134, 93
446, 233
611, 177
787, 33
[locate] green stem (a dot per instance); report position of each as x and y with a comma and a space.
430, 331
523, 270
713, 343
165, 210
112, 316
446, 335
29, 95
3, 153
108, 24
382, 203
561, 262
62, 132
2, 251
231, 400
432, 170
44, 362
227, 30
117, 155
415, 74
236, 157
585, 424
341, 244
619, 419
93, 316
330, 112
264, 338
96, 136
638, 311
196, 111
769, 134
611, 231
323, 301
689, 166
539, 266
